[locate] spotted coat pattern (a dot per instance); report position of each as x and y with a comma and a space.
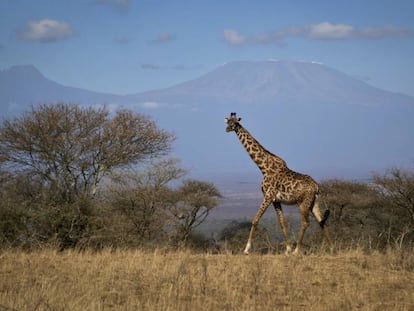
280, 185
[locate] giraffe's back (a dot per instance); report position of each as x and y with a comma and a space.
289, 187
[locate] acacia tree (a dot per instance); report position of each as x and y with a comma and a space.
378, 212
155, 205
144, 197
73, 147
355, 211
397, 190
195, 200
343, 197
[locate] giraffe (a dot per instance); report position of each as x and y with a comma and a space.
280, 185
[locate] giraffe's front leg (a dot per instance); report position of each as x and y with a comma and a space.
265, 204
252, 230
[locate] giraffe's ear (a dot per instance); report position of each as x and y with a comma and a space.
239, 119
226, 120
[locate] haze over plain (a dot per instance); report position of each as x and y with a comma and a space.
302, 112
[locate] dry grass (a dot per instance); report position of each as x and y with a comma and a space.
138, 280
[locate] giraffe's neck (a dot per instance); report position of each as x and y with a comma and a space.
264, 159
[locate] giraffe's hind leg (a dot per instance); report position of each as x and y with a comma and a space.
304, 208
279, 212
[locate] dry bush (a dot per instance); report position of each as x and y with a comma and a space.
396, 187
371, 215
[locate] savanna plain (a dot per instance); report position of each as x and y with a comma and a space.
186, 280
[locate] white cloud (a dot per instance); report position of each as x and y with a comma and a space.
233, 37
151, 105
330, 31
45, 30
386, 31
321, 31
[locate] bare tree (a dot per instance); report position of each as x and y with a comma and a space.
144, 197
72, 147
342, 197
375, 214
195, 200
356, 214
397, 190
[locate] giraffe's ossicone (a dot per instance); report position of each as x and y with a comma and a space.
280, 185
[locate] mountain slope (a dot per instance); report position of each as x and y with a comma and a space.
278, 82
22, 86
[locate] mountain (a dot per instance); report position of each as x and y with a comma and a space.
22, 86
277, 82
321, 121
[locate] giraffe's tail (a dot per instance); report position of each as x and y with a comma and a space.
324, 218
316, 211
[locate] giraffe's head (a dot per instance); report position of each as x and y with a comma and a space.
232, 122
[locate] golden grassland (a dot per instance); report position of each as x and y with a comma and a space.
184, 280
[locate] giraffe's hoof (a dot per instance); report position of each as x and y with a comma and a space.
247, 248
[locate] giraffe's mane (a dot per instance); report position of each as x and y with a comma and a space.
258, 143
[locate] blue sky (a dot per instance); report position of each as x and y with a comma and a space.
128, 46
